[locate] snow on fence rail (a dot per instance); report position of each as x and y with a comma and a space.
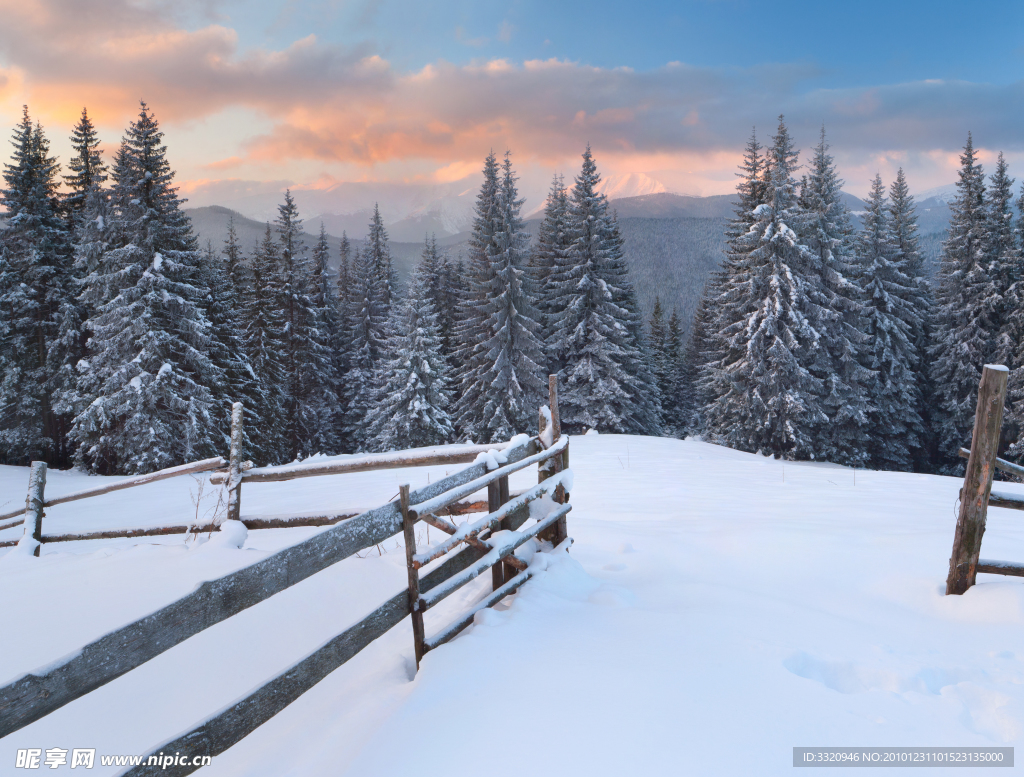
36, 695
976, 495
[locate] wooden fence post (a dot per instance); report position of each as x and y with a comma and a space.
970, 524
235, 466
409, 529
493, 503
559, 531
34, 502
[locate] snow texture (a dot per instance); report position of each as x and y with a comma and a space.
711, 603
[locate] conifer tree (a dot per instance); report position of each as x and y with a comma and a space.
380, 254
678, 402
726, 301
507, 381
966, 311
902, 222
548, 253
828, 233
890, 294
367, 340
87, 169
1004, 266
472, 326
766, 395
413, 402
661, 366
40, 342
263, 333
606, 381
148, 386
322, 416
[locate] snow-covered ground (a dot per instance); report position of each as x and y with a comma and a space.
716, 610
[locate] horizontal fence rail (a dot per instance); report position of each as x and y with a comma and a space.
196, 467
465, 455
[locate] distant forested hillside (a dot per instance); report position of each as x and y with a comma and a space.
672, 258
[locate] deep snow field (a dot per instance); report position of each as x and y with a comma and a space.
717, 609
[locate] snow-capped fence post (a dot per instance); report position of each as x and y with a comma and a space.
34, 503
409, 530
559, 531
235, 468
970, 524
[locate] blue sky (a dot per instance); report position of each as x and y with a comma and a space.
314, 93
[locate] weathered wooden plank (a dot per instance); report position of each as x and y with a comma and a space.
155, 531
449, 632
14, 514
450, 528
196, 467
970, 525
229, 726
1001, 464
35, 695
12, 524
1000, 567
1002, 499
465, 455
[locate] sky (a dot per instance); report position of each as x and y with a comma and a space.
257, 96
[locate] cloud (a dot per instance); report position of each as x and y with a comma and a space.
334, 104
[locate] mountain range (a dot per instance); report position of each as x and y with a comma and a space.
673, 242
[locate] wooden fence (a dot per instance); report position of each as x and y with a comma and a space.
230, 473
467, 552
977, 495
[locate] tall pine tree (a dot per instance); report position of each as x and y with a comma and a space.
890, 297
966, 311
148, 386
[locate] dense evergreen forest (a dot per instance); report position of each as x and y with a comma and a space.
795, 328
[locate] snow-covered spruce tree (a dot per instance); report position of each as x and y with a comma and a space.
148, 386
1004, 266
454, 290
472, 332
414, 395
367, 338
766, 395
322, 416
222, 308
676, 420
661, 365
342, 345
509, 380
1013, 418
890, 295
902, 222
966, 308
87, 170
263, 334
41, 315
444, 293
380, 254
606, 383
828, 233
726, 301
548, 252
